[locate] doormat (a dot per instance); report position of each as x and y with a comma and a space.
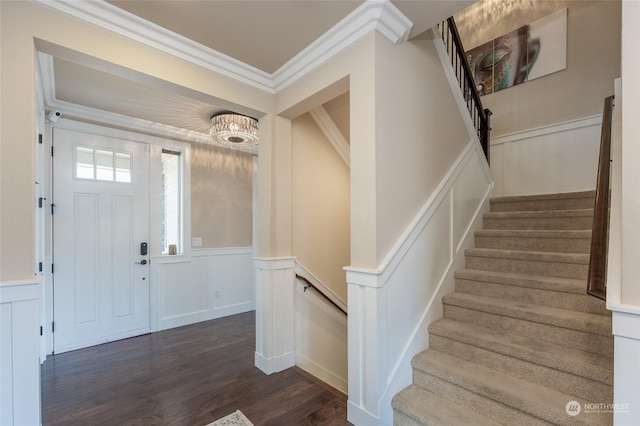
233, 419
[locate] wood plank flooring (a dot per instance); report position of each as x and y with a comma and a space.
190, 375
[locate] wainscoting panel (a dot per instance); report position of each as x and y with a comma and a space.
561, 157
391, 307
20, 353
209, 284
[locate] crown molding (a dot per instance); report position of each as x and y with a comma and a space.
112, 18
373, 15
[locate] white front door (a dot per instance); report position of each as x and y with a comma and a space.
100, 222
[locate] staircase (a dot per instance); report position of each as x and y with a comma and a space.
520, 338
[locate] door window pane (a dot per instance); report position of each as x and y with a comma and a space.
84, 163
123, 167
104, 165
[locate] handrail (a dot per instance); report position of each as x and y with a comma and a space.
597, 281
480, 116
310, 284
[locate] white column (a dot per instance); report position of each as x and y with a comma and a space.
366, 333
275, 348
626, 393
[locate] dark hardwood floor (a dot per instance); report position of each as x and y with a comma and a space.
191, 375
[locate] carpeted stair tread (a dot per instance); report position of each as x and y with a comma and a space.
562, 265
536, 400
563, 293
565, 285
540, 256
574, 241
421, 407
560, 201
584, 364
573, 320
579, 219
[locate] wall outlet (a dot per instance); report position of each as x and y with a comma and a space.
196, 242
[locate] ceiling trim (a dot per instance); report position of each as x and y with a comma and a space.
332, 133
372, 15
121, 22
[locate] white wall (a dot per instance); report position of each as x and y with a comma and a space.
560, 157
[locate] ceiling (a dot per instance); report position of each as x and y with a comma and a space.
263, 34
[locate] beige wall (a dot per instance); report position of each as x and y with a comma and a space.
320, 205
221, 196
593, 61
419, 133
25, 24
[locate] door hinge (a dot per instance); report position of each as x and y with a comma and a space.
41, 201
52, 268
53, 326
39, 137
52, 206
52, 151
40, 267
41, 330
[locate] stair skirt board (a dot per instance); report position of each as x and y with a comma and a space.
520, 339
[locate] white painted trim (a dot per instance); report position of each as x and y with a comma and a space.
379, 277
579, 123
114, 19
626, 323
111, 119
274, 263
372, 15
300, 269
623, 308
111, 338
332, 133
204, 315
19, 290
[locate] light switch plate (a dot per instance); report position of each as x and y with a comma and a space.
196, 242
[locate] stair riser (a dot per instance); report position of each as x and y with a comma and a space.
548, 224
553, 299
576, 339
562, 381
401, 419
556, 245
492, 409
533, 267
541, 205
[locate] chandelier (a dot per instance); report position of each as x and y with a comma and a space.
234, 130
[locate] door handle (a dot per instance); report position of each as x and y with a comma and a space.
142, 262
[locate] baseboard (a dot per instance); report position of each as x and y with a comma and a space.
206, 315
275, 364
322, 373
359, 416
111, 338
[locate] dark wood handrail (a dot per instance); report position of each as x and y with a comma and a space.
597, 281
480, 116
310, 284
